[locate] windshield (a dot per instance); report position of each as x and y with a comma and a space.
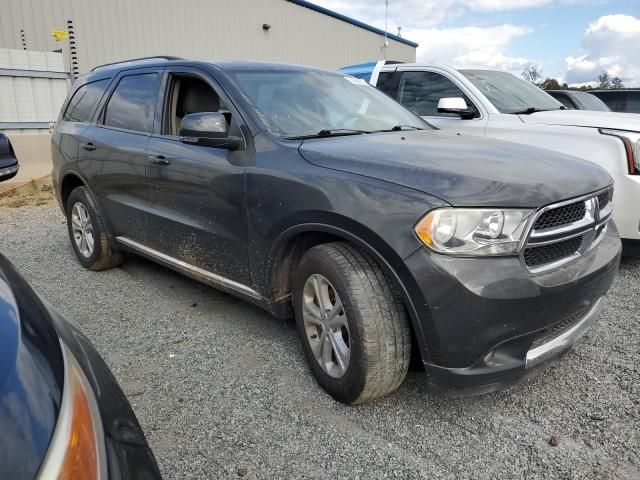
310, 103
511, 94
591, 102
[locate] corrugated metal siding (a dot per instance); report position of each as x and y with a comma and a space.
112, 30
26, 99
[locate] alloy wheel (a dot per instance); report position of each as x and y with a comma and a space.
326, 326
82, 229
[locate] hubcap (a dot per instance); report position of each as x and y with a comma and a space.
326, 326
82, 229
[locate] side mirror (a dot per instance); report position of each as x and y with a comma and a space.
456, 105
207, 129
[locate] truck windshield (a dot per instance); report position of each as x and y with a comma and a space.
299, 103
511, 94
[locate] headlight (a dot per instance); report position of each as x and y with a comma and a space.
473, 231
77, 447
631, 142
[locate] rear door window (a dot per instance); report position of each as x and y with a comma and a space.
84, 101
420, 92
133, 103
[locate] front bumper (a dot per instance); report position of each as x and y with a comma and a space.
490, 323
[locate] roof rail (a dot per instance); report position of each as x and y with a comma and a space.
155, 57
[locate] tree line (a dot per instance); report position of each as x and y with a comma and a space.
534, 75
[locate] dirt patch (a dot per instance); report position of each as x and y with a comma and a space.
41, 196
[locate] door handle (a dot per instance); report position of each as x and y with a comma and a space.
89, 147
159, 160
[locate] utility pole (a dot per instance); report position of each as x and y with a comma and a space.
386, 27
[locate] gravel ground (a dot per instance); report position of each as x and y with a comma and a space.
222, 389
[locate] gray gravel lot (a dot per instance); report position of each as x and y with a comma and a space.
222, 389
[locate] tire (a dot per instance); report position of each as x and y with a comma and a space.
374, 324
81, 207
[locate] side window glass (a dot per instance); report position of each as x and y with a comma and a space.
421, 91
133, 102
84, 101
564, 101
632, 102
388, 83
189, 94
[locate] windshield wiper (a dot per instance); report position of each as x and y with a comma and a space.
335, 132
398, 128
530, 110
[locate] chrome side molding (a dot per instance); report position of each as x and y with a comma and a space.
192, 271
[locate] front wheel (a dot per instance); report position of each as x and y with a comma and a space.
354, 329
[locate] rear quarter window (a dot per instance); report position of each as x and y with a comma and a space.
84, 101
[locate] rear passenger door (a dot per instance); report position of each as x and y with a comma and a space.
114, 159
74, 122
197, 193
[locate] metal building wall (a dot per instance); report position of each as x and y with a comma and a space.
33, 86
111, 30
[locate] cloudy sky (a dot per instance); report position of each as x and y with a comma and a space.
571, 40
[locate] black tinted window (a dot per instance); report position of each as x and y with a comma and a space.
133, 103
388, 83
421, 91
563, 99
84, 101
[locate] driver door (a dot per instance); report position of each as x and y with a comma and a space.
420, 91
197, 193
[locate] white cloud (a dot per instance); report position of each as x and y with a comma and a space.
610, 44
471, 46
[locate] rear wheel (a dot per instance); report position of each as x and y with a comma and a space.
354, 330
88, 235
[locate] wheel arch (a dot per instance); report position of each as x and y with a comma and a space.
70, 181
290, 245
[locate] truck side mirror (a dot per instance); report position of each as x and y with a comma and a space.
457, 106
207, 129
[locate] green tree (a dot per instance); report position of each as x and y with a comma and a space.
605, 81
551, 84
616, 83
532, 74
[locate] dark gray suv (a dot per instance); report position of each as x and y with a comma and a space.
312, 194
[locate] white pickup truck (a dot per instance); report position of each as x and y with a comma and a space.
499, 105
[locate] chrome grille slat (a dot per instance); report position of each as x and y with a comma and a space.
564, 231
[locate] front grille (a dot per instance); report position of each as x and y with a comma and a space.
604, 198
544, 254
561, 216
559, 327
566, 231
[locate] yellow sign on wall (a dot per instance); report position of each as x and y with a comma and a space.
59, 35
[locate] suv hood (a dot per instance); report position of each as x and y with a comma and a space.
584, 118
464, 171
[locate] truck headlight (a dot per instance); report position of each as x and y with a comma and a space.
631, 142
473, 231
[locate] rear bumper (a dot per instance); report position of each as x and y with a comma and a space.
8, 168
490, 323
